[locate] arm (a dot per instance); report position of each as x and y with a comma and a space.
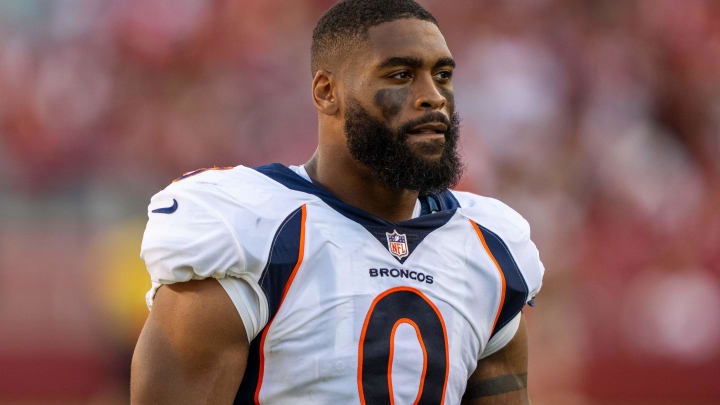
501, 378
192, 349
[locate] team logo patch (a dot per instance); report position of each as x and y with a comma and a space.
397, 244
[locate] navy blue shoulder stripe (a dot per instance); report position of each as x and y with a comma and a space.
416, 229
516, 289
285, 253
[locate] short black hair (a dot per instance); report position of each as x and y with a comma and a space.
349, 20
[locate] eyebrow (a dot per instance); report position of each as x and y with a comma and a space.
444, 62
401, 61
414, 62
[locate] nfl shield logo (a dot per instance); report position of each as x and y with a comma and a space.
397, 244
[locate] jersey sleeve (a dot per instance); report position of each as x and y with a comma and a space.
187, 238
527, 258
531, 268
502, 337
514, 232
507, 235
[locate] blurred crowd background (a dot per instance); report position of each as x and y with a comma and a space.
599, 121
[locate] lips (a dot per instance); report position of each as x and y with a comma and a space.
429, 128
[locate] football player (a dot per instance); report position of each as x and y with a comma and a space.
358, 277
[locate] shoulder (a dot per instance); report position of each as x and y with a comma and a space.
224, 188
239, 196
508, 234
214, 223
493, 214
217, 223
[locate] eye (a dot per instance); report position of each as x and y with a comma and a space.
444, 75
402, 75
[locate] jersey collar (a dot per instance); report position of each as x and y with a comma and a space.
437, 210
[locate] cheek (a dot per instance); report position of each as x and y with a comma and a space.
391, 101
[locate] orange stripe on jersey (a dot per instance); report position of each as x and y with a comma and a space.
502, 275
202, 170
301, 251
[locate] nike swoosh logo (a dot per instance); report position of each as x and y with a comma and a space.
167, 210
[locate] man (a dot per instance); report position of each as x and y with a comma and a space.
358, 277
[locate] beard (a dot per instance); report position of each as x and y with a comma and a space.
386, 153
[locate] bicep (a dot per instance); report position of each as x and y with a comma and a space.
192, 349
501, 378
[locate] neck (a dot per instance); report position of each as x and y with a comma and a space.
353, 183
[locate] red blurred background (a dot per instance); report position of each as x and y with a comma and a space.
599, 121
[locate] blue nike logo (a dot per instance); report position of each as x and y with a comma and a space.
167, 210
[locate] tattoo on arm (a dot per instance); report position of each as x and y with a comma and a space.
495, 386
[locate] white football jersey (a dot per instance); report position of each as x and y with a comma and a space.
340, 306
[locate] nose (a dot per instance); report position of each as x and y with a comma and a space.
427, 95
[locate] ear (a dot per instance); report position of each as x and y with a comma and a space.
324, 93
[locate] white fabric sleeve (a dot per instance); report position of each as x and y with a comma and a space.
246, 301
502, 337
194, 242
